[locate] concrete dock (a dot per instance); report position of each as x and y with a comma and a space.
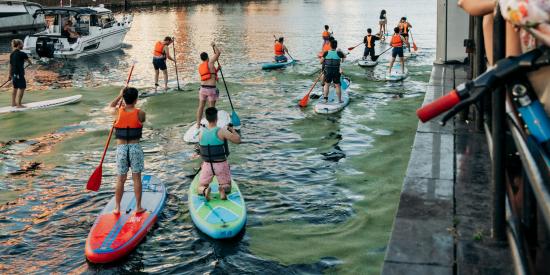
443, 222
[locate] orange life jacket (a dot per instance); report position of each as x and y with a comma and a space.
396, 41
128, 126
369, 39
205, 72
159, 49
325, 35
326, 47
279, 49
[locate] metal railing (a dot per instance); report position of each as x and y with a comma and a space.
519, 172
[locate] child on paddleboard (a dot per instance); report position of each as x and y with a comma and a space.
128, 131
214, 151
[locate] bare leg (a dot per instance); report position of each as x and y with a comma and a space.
20, 98
204, 190
391, 65
165, 73
339, 92
119, 191
325, 91
156, 79
137, 191
402, 65
224, 190
13, 97
200, 110
212, 103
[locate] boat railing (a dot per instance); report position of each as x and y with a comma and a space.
519, 168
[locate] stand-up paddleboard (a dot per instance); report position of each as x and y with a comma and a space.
115, 236
367, 63
396, 74
217, 218
277, 65
333, 105
192, 134
43, 104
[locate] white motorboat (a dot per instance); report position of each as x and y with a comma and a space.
16, 18
97, 28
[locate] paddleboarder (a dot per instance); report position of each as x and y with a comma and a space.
404, 28
280, 50
161, 52
214, 151
209, 77
16, 72
397, 42
332, 70
128, 131
326, 34
383, 22
370, 41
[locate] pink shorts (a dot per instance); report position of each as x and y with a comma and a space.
209, 93
222, 172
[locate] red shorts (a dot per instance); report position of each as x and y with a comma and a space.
223, 173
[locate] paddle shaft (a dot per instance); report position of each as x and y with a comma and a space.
352, 48
176, 62
224, 84
113, 127
412, 38
305, 99
286, 50
386, 50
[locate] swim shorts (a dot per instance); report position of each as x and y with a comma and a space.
397, 51
19, 81
209, 93
159, 63
129, 155
221, 171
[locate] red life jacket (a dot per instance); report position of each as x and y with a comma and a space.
396, 41
279, 49
128, 126
325, 35
159, 49
205, 72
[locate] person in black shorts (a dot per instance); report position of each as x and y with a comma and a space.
17, 72
397, 42
369, 42
331, 69
161, 52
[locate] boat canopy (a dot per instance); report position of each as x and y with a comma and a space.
74, 11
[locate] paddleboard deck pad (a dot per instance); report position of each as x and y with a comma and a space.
114, 236
43, 104
277, 65
333, 106
192, 134
217, 218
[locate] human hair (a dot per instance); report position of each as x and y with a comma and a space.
331, 38
326, 27
204, 56
369, 30
130, 95
281, 39
404, 18
211, 114
16, 43
396, 29
167, 39
383, 12
333, 44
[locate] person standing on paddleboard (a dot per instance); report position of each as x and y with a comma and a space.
397, 42
280, 50
369, 41
214, 151
161, 52
209, 77
16, 72
332, 70
128, 131
404, 28
383, 24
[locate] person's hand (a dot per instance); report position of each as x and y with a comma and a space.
9, 77
213, 44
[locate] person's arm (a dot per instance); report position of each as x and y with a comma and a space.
113, 107
167, 52
477, 7
141, 116
10, 72
231, 134
365, 40
27, 59
217, 52
285, 49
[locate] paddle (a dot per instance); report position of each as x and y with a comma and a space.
235, 120
414, 43
176, 62
303, 102
351, 48
94, 182
377, 56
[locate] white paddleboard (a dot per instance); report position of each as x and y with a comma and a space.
367, 63
396, 74
192, 134
42, 104
333, 105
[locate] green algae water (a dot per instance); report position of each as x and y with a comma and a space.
321, 191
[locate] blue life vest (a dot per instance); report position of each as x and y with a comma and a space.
332, 61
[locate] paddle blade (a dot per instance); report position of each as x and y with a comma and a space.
235, 120
351, 48
95, 179
415, 47
303, 102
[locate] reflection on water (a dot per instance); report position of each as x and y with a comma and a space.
321, 191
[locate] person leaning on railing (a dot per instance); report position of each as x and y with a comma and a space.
528, 25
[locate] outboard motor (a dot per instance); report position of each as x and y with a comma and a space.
45, 47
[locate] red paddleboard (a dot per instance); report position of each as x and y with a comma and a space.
115, 236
